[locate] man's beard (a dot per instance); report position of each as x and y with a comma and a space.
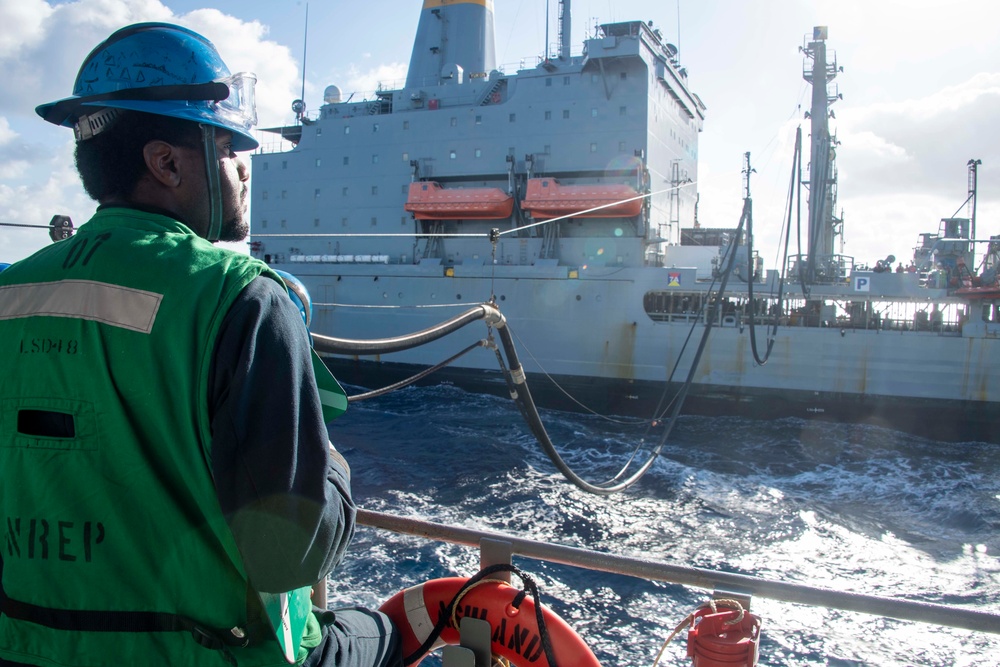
236, 229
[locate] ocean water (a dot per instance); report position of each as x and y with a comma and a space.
846, 507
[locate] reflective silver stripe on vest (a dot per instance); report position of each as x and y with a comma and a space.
118, 306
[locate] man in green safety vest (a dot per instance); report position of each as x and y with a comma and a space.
168, 490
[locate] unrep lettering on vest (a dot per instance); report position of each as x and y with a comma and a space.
35, 538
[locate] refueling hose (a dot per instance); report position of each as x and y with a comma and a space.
513, 372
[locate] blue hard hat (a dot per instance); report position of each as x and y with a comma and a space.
299, 295
3, 265
162, 69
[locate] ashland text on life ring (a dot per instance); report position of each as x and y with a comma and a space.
512, 617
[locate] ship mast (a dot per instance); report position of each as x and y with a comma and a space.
565, 22
824, 226
973, 187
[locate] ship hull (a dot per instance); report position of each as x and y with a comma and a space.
592, 337
935, 419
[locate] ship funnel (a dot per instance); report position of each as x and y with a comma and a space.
452, 36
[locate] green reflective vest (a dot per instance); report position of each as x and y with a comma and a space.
106, 490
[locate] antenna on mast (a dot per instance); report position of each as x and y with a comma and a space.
678, 30
299, 105
546, 30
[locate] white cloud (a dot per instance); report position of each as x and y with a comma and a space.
22, 21
921, 144
6, 133
365, 82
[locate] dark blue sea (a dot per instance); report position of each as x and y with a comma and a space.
846, 507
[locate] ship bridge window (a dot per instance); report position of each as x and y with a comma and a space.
283, 223
548, 82
622, 111
319, 162
565, 80
343, 191
479, 152
266, 165
374, 127
565, 113
512, 117
263, 195
406, 124
319, 131
375, 159
621, 146
347, 129
548, 115
454, 122
316, 193
374, 221
405, 188
623, 76
593, 112
284, 194
347, 160
263, 224
593, 148
284, 164
479, 120
406, 157
374, 189
343, 221
452, 155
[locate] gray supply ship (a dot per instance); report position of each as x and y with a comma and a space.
565, 193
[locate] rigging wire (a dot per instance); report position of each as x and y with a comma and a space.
709, 322
581, 405
798, 235
786, 232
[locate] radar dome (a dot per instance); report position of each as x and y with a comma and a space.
332, 95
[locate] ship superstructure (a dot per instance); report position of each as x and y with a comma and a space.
620, 116
566, 193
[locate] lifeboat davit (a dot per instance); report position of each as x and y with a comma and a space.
427, 200
547, 198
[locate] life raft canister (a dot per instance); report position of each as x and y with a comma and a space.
512, 617
728, 638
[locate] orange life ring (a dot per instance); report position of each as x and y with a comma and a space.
512, 617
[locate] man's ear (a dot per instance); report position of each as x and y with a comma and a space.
163, 161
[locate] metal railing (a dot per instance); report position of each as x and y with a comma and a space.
908, 610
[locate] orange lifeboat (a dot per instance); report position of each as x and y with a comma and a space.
427, 200
547, 198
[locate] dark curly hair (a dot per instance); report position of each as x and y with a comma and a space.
111, 163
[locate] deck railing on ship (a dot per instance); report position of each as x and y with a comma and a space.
723, 582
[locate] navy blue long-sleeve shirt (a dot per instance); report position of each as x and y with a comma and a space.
283, 488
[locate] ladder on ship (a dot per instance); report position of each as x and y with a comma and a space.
494, 95
433, 240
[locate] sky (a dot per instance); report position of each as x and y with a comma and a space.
920, 87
